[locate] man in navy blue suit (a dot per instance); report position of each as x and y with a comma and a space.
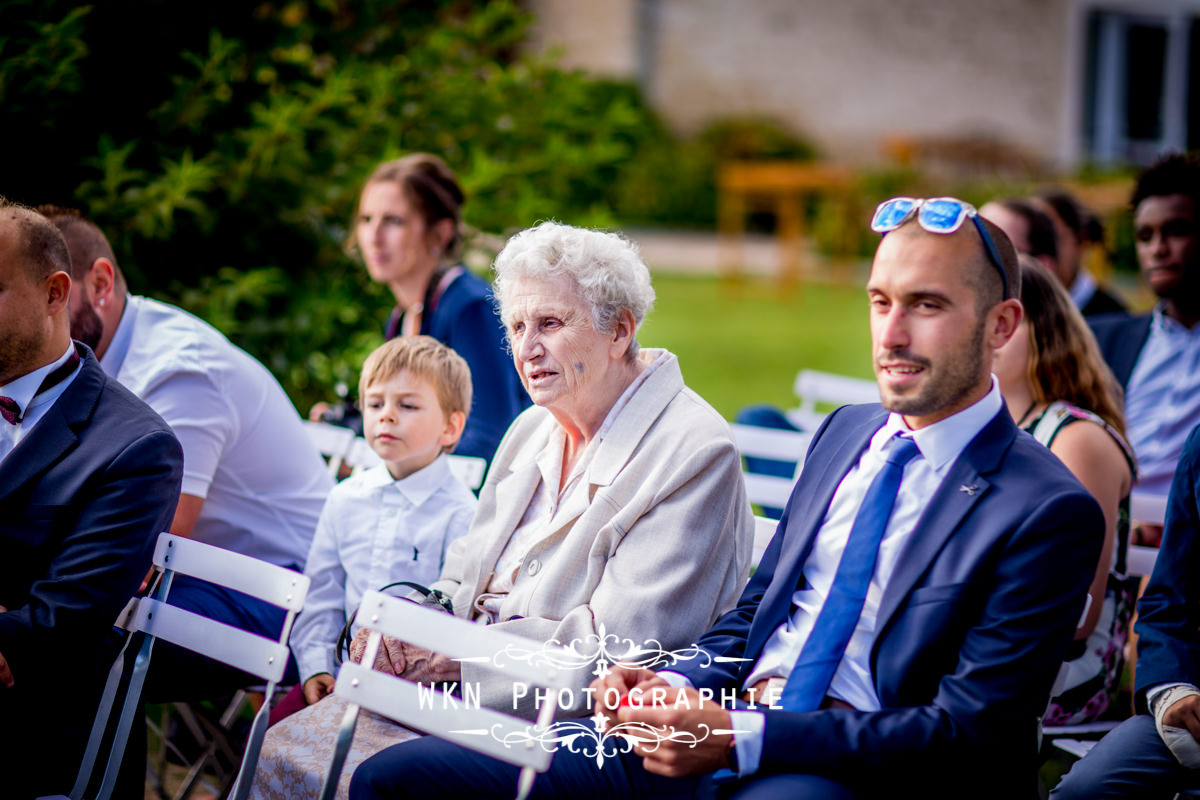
1157, 752
956, 617
1156, 356
89, 476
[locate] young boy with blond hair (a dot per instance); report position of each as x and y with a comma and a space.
392, 522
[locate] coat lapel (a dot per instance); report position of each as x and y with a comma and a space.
57, 432
964, 486
807, 507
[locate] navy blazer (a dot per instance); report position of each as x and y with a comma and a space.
1168, 623
465, 320
1121, 339
972, 626
83, 497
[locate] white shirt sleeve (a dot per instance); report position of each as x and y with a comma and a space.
318, 624
200, 415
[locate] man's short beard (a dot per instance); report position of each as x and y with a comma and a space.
86, 325
958, 374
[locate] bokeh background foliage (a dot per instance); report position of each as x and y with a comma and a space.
221, 146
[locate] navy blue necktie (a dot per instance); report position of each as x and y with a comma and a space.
823, 650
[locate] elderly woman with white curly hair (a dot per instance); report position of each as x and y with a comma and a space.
614, 504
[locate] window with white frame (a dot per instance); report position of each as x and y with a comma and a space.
1142, 93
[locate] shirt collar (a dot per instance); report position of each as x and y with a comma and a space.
24, 389
118, 348
1162, 324
1083, 288
943, 441
417, 487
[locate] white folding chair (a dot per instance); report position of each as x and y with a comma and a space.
1139, 561
333, 442
815, 388
265, 658
778, 445
468, 469
764, 530
480, 729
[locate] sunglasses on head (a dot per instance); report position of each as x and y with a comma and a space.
937, 215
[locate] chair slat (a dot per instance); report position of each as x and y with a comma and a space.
268, 582
264, 658
455, 722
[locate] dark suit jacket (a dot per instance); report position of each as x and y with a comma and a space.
82, 499
1168, 623
1103, 302
1121, 339
972, 627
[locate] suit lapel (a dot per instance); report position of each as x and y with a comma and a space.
56, 433
964, 486
840, 447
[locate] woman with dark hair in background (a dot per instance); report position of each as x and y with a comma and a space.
407, 228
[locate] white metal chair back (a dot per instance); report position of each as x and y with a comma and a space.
468, 469
481, 729
814, 388
249, 652
773, 443
332, 441
764, 531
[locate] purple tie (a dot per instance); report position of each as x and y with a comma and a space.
9, 408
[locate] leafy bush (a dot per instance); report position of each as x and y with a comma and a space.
223, 154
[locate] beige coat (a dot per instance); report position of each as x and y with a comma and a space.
662, 549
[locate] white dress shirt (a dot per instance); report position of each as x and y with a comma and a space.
33, 405
245, 450
1162, 402
940, 445
374, 531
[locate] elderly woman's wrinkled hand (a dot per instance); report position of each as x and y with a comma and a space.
406, 660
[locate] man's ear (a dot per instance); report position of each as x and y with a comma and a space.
1002, 322
58, 292
101, 282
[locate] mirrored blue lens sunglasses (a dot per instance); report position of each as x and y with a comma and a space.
937, 215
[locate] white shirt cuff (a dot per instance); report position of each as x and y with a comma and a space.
748, 742
676, 680
1155, 692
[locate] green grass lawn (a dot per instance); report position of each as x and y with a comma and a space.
743, 343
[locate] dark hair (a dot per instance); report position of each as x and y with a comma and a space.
85, 241
988, 285
1043, 241
42, 248
1064, 360
430, 187
1176, 173
1080, 220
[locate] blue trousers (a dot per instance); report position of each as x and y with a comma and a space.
431, 767
177, 674
1131, 761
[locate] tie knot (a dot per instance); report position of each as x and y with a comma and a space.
902, 451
